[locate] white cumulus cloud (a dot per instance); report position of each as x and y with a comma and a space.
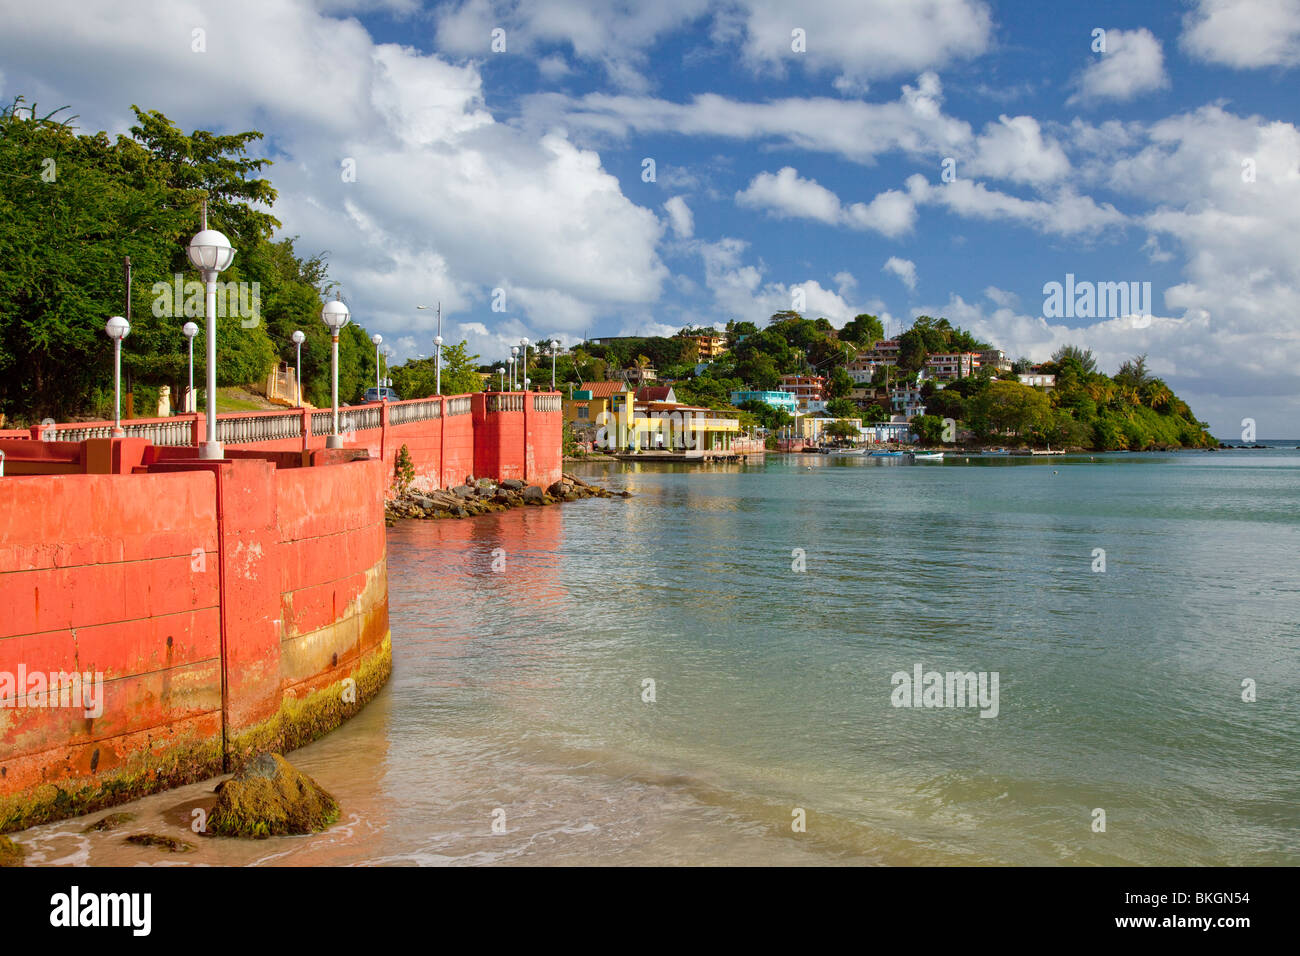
1133, 63
1246, 34
905, 269
786, 194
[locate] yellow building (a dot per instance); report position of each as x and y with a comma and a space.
669, 427
709, 347
813, 428
581, 411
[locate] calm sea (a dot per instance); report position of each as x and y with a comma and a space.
771, 606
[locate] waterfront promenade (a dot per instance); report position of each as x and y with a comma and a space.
211, 610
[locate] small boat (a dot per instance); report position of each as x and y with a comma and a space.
995, 451
842, 452
927, 456
886, 454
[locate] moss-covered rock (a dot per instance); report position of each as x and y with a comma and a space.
170, 844
11, 854
269, 797
110, 822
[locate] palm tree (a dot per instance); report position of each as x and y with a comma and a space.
1156, 394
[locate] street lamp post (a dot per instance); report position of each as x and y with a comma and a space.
117, 329
335, 315
437, 341
437, 364
514, 355
378, 340
191, 401
501, 370
553, 350
211, 253
298, 339
523, 369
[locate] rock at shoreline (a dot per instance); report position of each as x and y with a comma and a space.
485, 496
11, 853
110, 822
268, 797
170, 844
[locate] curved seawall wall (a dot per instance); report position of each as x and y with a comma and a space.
212, 611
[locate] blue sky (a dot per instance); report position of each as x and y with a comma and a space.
1169, 158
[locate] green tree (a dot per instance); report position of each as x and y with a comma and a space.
842, 408
874, 413
842, 429
1134, 372
863, 330
72, 206
839, 383
1009, 408
418, 378
928, 428
1084, 357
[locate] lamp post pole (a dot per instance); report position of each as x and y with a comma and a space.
523, 369
378, 340
191, 402
501, 370
117, 329
514, 353
437, 364
552, 366
437, 352
210, 252
298, 339
335, 315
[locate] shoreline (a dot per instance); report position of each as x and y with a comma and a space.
487, 496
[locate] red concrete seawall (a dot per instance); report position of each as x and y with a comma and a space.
211, 610
228, 608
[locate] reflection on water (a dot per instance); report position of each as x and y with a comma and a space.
523, 642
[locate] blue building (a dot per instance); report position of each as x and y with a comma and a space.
782, 400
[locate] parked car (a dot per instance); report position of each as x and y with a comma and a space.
385, 393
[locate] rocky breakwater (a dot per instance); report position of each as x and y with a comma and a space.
484, 496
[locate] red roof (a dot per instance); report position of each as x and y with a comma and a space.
604, 389
653, 393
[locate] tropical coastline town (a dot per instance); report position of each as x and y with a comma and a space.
708, 433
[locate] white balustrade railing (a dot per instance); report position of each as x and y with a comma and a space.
245, 429
173, 433
322, 422
248, 429
402, 413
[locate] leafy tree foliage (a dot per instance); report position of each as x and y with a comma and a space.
74, 205
842, 408
418, 378
1083, 357
928, 428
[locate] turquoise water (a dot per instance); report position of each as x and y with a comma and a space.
517, 694
1119, 690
